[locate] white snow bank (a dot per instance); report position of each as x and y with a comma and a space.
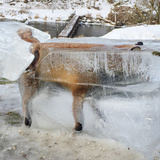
14, 52
146, 32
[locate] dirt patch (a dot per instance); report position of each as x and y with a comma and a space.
5, 81
13, 118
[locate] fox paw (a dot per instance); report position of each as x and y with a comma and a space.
78, 127
27, 121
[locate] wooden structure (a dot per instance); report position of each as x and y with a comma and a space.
70, 28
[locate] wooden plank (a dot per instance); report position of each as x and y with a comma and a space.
70, 27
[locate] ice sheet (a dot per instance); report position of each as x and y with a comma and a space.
148, 44
128, 117
15, 56
101, 66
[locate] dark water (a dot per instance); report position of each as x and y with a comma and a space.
92, 30
51, 27
86, 30
54, 28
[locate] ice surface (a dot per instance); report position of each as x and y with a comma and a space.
110, 65
15, 56
150, 44
131, 118
58, 143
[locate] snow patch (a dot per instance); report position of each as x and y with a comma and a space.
145, 32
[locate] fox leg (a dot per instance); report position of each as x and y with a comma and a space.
28, 87
78, 112
26, 113
78, 100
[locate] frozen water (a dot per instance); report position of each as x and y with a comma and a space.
58, 143
15, 56
128, 117
104, 65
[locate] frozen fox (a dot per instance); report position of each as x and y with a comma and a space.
29, 81
50, 67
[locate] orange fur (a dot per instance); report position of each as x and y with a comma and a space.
129, 47
26, 35
124, 46
69, 45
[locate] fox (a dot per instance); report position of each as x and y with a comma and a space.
49, 67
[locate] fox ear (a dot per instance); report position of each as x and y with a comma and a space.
26, 35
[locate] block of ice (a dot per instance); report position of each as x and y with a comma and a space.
127, 113
15, 54
131, 117
110, 64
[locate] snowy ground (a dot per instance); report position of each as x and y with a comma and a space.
19, 142
35, 11
145, 32
60, 11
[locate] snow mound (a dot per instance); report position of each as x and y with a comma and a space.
146, 32
15, 56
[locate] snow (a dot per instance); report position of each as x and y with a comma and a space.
145, 32
15, 55
33, 11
